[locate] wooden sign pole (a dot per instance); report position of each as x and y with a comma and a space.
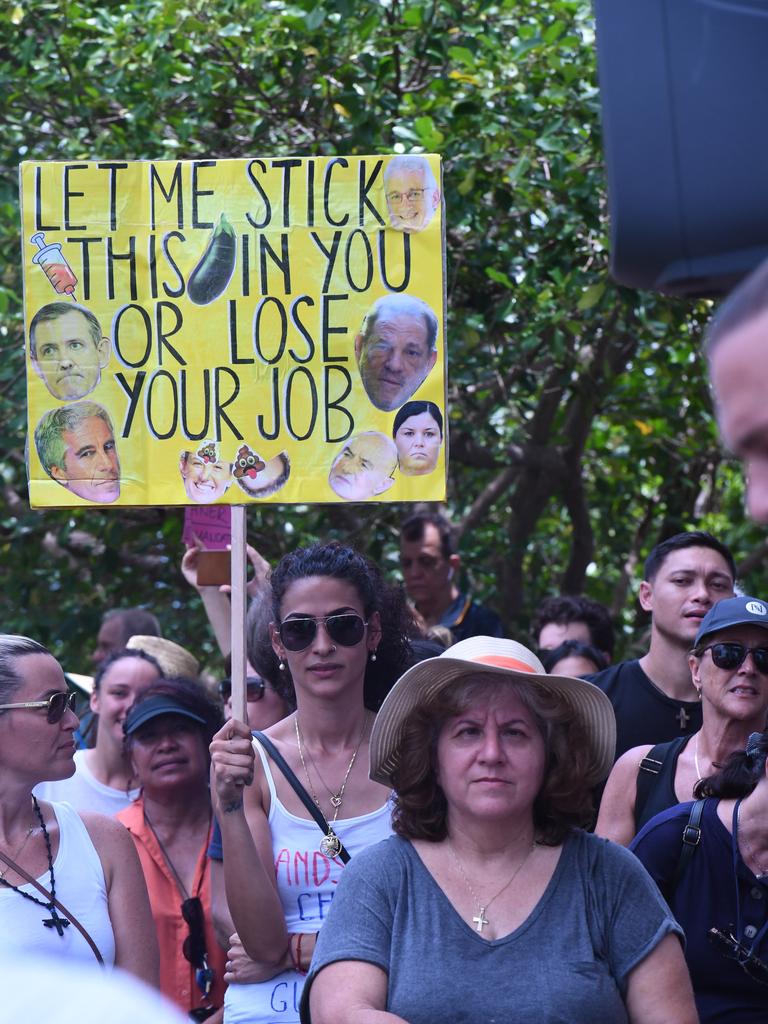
239, 602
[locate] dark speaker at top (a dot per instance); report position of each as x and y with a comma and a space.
684, 91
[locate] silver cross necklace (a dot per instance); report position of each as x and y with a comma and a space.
480, 920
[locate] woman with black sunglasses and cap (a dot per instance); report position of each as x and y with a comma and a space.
167, 733
729, 669
70, 884
340, 636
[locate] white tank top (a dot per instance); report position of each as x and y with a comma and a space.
80, 886
84, 792
306, 882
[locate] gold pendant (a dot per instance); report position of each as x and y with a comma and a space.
330, 845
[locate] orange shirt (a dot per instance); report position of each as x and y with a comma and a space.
177, 975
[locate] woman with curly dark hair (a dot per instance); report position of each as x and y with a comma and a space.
491, 903
340, 637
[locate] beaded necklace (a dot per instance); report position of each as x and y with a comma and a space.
54, 921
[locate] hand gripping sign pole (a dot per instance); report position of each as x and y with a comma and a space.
239, 600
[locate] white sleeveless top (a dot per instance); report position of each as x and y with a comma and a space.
80, 886
84, 791
306, 882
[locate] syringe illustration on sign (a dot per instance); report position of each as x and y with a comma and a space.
54, 265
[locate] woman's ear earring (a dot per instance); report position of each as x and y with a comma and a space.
281, 666
373, 655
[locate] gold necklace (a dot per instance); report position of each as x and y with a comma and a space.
330, 844
32, 828
480, 919
699, 776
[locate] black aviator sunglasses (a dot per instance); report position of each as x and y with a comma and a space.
345, 628
732, 949
193, 947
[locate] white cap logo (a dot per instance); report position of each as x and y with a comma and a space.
756, 608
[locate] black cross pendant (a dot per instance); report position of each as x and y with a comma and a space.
54, 921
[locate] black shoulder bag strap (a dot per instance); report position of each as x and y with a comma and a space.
300, 792
691, 840
649, 768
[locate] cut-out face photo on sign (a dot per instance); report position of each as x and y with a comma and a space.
396, 349
411, 192
76, 446
418, 433
206, 476
257, 478
67, 349
364, 466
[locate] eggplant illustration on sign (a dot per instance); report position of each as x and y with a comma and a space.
216, 266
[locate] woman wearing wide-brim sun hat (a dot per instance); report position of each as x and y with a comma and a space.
491, 897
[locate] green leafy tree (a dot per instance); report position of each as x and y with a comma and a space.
581, 428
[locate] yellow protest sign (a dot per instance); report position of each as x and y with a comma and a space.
235, 331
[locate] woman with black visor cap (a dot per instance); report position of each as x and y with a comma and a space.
167, 732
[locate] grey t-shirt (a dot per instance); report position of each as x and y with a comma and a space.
568, 963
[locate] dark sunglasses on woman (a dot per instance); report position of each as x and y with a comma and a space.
254, 689
195, 952
345, 628
55, 707
731, 948
731, 654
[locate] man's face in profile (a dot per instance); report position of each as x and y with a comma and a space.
68, 359
394, 358
205, 481
739, 373
410, 201
91, 467
364, 467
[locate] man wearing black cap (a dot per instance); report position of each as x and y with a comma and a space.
653, 697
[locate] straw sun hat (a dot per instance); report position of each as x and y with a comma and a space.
497, 657
173, 659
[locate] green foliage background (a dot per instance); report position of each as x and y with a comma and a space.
581, 429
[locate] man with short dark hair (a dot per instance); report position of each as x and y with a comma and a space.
654, 697
430, 565
117, 628
572, 617
737, 350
